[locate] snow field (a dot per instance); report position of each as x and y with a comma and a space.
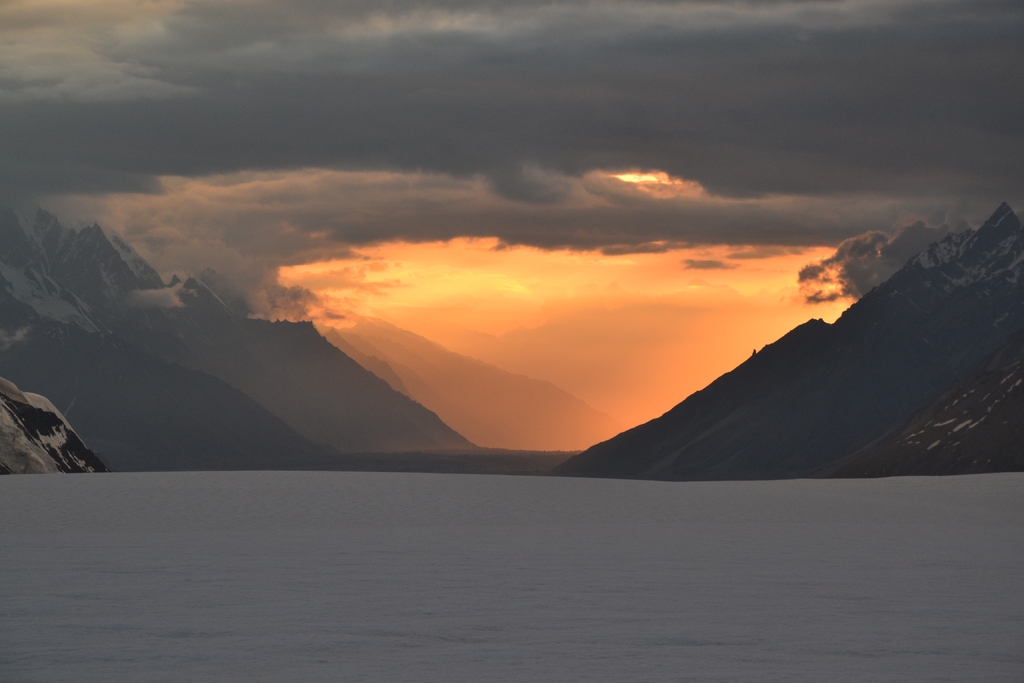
307, 576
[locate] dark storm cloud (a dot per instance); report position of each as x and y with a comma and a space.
294, 217
914, 101
865, 261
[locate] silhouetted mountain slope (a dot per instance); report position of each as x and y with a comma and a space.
824, 391
978, 426
35, 438
374, 364
89, 282
141, 413
291, 370
491, 406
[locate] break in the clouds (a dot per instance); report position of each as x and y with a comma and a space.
909, 106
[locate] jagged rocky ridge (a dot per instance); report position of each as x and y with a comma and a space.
824, 392
75, 300
35, 438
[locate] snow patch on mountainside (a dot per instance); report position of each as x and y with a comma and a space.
968, 406
994, 251
45, 297
946, 251
19, 455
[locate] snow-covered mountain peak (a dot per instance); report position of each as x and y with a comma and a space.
47, 231
25, 272
946, 250
68, 275
996, 237
95, 255
136, 263
995, 251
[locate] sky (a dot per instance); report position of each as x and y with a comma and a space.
622, 197
631, 334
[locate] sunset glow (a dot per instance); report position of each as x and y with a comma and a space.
631, 334
630, 323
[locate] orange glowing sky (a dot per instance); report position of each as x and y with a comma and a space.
630, 334
389, 158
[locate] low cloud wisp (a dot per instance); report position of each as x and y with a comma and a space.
865, 261
169, 297
9, 339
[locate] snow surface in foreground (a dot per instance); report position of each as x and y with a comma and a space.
309, 576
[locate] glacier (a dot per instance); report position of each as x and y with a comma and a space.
314, 576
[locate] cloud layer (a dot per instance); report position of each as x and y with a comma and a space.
904, 98
246, 136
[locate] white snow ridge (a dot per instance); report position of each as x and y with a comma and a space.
36, 439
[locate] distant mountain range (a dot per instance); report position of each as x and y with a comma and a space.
488, 405
923, 375
35, 438
169, 376
841, 396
